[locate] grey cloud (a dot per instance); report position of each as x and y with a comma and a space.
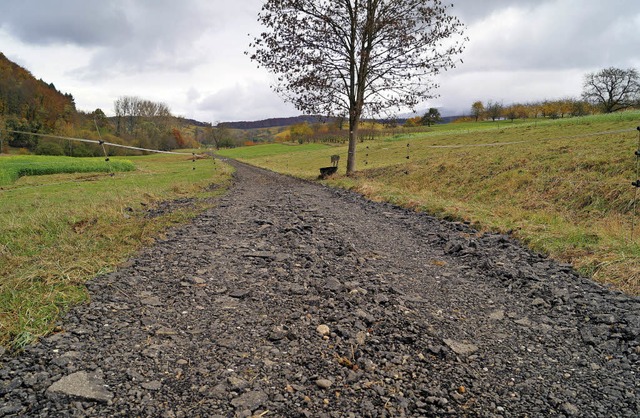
130, 36
254, 101
471, 11
555, 35
167, 46
171, 36
78, 22
163, 37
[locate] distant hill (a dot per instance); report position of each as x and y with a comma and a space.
449, 119
282, 122
276, 122
193, 122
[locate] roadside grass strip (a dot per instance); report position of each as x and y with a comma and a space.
58, 231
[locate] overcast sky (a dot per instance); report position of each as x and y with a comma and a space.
189, 54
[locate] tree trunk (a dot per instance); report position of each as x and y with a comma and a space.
353, 142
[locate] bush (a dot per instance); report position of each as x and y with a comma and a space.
81, 150
49, 148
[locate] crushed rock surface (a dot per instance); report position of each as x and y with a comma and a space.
290, 299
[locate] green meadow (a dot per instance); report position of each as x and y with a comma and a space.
12, 168
561, 186
59, 230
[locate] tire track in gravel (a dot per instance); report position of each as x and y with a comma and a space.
292, 299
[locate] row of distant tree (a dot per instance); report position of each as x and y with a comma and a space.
552, 109
151, 125
606, 91
148, 124
163, 132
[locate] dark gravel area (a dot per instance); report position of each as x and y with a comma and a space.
290, 299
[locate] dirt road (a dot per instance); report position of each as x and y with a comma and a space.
291, 299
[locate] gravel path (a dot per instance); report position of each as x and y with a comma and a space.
290, 299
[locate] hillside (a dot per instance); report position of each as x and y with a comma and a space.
284, 122
25, 98
276, 122
31, 105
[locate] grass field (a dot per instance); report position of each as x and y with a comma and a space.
270, 150
57, 231
12, 168
561, 186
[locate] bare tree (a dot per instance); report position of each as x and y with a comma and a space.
219, 136
134, 110
612, 89
348, 57
494, 110
118, 108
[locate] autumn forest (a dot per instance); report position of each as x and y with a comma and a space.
30, 105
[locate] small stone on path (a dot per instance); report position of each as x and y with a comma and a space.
570, 409
497, 315
323, 329
250, 400
151, 301
239, 293
153, 385
324, 383
81, 385
459, 348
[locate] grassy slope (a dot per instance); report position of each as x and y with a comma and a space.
58, 231
558, 185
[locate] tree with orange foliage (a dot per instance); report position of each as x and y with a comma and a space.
178, 136
301, 132
413, 122
40, 104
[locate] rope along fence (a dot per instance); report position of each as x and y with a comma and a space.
636, 184
103, 145
99, 142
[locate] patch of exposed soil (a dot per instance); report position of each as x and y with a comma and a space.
169, 206
292, 299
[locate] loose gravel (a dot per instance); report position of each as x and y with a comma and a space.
290, 299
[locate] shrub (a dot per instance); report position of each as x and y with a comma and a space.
49, 148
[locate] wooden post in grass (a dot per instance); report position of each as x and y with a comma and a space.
2, 137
